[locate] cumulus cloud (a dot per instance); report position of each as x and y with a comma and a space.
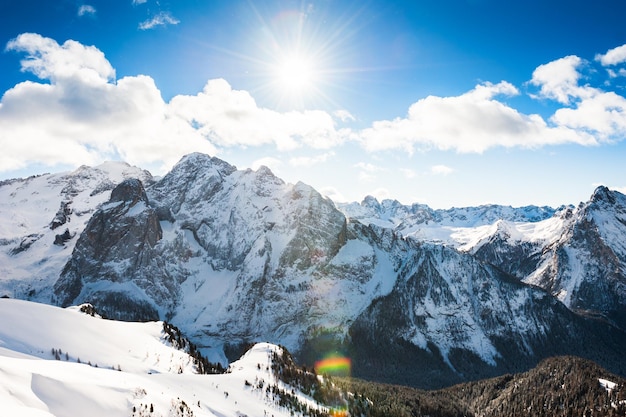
365, 166
160, 19
381, 194
232, 118
83, 115
558, 80
613, 56
619, 73
86, 10
408, 173
344, 116
48, 60
619, 189
602, 115
591, 113
137, 2
472, 122
334, 194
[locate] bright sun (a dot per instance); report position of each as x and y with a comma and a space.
295, 75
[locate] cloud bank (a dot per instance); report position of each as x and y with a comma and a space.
80, 112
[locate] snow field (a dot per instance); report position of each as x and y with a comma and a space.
34, 383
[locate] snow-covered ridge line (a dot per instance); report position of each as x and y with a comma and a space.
463, 227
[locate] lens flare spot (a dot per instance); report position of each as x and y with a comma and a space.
334, 366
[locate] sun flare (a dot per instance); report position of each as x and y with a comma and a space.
295, 58
295, 75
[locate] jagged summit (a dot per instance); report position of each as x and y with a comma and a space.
129, 191
603, 193
196, 161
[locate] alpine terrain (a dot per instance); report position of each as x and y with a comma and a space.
410, 294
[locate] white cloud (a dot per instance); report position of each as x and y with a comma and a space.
614, 74
137, 2
230, 117
381, 194
441, 170
613, 56
80, 113
619, 189
83, 116
268, 161
593, 115
558, 80
365, 166
86, 10
160, 19
333, 194
344, 116
472, 122
48, 60
309, 161
602, 115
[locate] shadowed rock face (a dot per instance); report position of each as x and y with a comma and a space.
116, 246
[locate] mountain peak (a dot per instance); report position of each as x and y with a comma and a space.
130, 190
370, 201
602, 193
201, 160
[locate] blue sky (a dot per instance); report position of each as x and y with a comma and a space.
447, 103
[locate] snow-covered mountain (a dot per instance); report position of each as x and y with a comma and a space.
43, 216
233, 256
425, 223
577, 253
61, 362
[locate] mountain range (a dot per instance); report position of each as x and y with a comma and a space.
412, 295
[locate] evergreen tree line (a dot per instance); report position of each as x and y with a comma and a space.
558, 387
174, 336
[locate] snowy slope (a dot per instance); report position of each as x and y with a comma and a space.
34, 383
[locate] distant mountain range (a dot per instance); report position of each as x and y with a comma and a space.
413, 295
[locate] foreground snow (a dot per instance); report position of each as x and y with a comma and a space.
125, 369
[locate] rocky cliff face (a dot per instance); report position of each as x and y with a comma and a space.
234, 256
113, 263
